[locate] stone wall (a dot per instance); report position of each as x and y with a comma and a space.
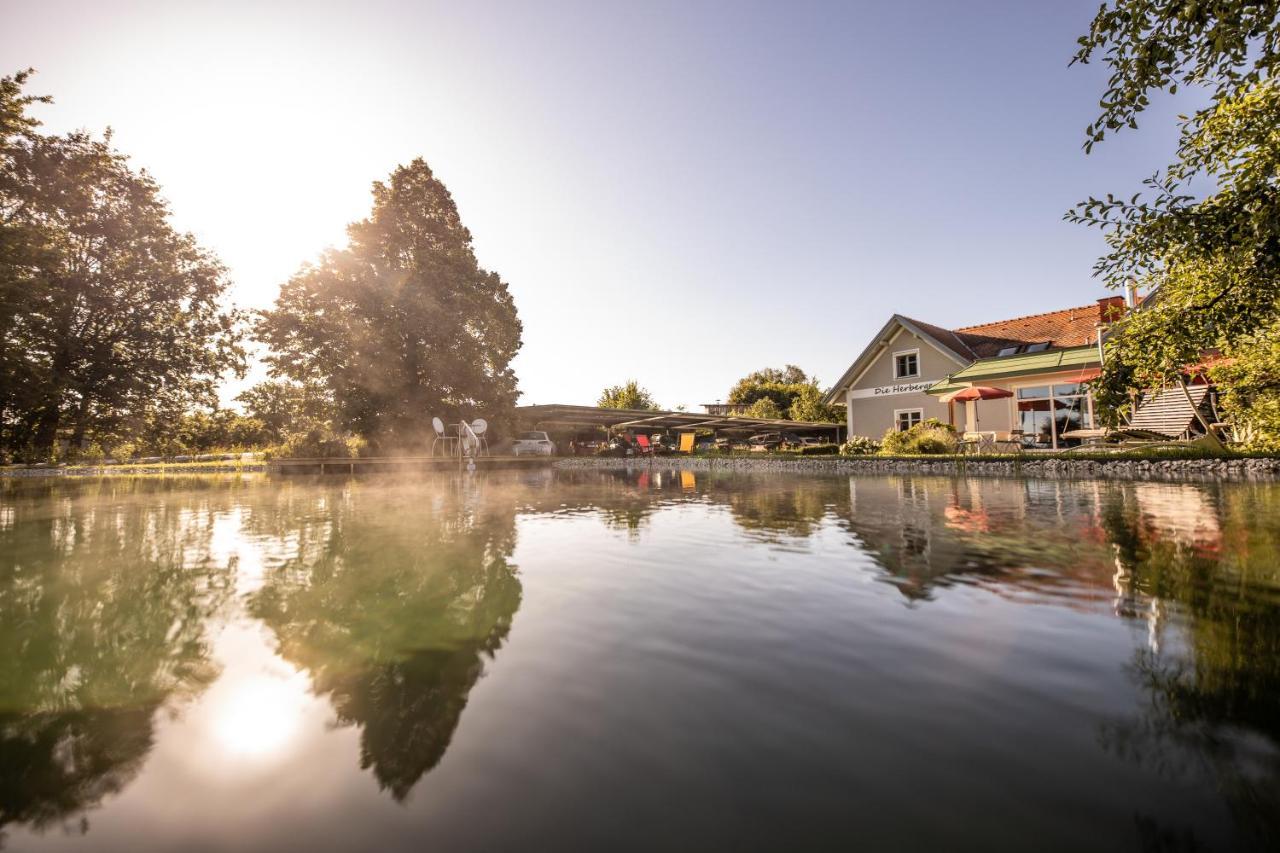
1128, 469
127, 470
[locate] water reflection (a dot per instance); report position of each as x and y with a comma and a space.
243, 627
104, 608
391, 606
1203, 570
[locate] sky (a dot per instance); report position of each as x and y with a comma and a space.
677, 193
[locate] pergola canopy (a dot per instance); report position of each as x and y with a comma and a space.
1081, 359
592, 416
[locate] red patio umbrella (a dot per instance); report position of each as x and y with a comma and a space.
977, 392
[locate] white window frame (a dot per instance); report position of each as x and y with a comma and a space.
897, 423
916, 353
1036, 382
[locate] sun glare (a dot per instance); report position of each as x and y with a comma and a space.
260, 716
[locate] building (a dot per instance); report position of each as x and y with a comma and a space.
910, 368
720, 409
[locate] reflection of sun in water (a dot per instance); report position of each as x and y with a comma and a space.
259, 716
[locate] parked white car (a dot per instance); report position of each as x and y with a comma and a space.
533, 444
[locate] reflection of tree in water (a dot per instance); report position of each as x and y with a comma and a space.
1214, 708
774, 510
103, 601
395, 616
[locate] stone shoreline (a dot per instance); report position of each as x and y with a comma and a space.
1198, 470
131, 470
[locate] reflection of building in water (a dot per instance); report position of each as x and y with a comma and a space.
927, 531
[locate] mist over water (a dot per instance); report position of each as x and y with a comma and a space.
634, 660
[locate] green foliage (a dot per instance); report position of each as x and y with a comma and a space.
764, 407
859, 445
1250, 382
220, 428
793, 395
629, 395
929, 437
286, 407
807, 405
403, 324
107, 314
319, 442
1214, 257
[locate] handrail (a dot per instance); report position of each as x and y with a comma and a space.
467, 440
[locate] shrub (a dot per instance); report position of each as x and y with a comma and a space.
819, 450
318, 443
930, 437
859, 445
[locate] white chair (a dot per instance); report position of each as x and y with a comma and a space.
479, 426
450, 441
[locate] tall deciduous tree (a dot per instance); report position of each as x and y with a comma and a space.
628, 395
1214, 256
403, 324
792, 394
110, 313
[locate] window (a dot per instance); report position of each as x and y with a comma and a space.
1040, 347
906, 364
905, 419
1007, 351
1045, 412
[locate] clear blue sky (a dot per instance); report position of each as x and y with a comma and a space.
678, 193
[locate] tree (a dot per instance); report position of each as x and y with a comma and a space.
627, 396
286, 407
792, 394
110, 313
1215, 258
1250, 380
401, 325
808, 405
764, 407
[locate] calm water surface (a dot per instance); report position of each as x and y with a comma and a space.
600, 660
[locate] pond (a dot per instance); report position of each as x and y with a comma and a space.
638, 660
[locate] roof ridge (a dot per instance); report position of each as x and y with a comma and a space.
952, 332
1025, 317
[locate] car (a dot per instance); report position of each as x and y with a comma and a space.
765, 441
533, 444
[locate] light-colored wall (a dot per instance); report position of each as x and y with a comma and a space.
871, 416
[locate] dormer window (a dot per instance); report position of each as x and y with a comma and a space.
906, 365
1040, 346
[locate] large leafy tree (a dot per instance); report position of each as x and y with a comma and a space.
403, 324
786, 392
109, 313
1213, 255
628, 395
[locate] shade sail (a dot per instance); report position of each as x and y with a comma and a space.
547, 416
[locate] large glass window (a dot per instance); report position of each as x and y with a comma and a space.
1047, 412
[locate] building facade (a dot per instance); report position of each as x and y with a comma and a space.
1043, 362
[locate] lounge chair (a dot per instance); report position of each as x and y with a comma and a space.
643, 446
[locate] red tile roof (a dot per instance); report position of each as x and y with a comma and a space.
1070, 327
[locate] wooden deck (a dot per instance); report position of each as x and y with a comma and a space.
404, 464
